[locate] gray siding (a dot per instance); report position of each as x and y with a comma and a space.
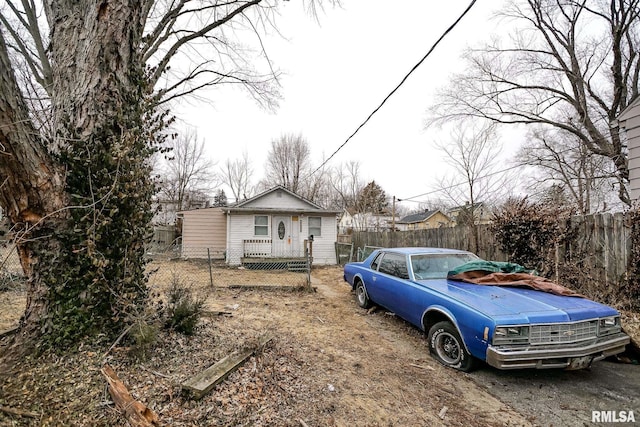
630, 122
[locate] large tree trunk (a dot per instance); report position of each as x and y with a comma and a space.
32, 190
71, 197
94, 56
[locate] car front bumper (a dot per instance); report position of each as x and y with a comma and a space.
556, 356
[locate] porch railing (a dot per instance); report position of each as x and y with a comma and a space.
256, 247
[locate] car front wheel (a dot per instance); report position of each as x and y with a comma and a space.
361, 295
447, 347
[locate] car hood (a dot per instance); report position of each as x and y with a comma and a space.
514, 305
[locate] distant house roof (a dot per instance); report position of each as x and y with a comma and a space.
478, 205
419, 217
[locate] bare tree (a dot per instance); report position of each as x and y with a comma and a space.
288, 162
187, 174
475, 180
346, 183
237, 174
564, 165
76, 185
571, 66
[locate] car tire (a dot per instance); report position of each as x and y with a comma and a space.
361, 295
447, 347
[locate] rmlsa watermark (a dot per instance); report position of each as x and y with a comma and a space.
613, 417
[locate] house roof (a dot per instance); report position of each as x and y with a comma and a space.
477, 205
306, 205
419, 217
272, 190
210, 208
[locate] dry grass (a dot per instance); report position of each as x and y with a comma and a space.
330, 364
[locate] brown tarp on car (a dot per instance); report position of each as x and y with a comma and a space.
480, 277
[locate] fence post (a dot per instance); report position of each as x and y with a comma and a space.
557, 262
309, 271
210, 272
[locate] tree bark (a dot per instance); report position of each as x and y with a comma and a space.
32, 183
96, 83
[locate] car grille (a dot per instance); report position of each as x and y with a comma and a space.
563, 332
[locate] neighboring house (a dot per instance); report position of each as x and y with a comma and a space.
274, 224
364, 221
629, 121
167, 210
482, 214
424, 220
346, 221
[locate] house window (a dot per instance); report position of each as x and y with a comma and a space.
315, 225
261, 225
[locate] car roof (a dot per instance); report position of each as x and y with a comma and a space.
420, 250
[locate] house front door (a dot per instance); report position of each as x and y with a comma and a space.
281, 236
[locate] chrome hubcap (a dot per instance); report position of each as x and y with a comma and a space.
448, 348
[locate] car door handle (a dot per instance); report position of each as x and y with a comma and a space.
374, 278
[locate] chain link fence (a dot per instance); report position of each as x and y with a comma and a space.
11, 274
347, 252
202, 267
215, 267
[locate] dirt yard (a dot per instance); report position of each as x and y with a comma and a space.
330, 363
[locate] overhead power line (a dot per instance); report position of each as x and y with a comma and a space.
447, 31
438, 190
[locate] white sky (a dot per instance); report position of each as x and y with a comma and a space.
336, 73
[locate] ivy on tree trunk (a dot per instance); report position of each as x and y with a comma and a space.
81, 203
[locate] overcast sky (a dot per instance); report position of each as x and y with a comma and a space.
335, 73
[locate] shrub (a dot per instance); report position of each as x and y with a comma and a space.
143, 335
633, 280
183, 309
531, 232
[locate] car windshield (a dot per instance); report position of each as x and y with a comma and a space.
436, 266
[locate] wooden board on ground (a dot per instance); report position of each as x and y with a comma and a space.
202, 383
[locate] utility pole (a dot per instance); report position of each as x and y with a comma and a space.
393, 215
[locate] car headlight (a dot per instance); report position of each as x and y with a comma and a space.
511, 335
609, 325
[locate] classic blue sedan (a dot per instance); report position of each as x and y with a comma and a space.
508, 327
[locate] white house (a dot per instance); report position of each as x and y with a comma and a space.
482, 215
274, 224
364, 221
345, 223
629, 120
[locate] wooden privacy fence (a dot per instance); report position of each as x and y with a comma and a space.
602, 244
454, 238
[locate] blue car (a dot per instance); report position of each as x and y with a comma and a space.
508, 327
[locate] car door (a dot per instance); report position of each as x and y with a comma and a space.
390, 283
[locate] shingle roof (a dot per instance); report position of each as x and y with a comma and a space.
418, 217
